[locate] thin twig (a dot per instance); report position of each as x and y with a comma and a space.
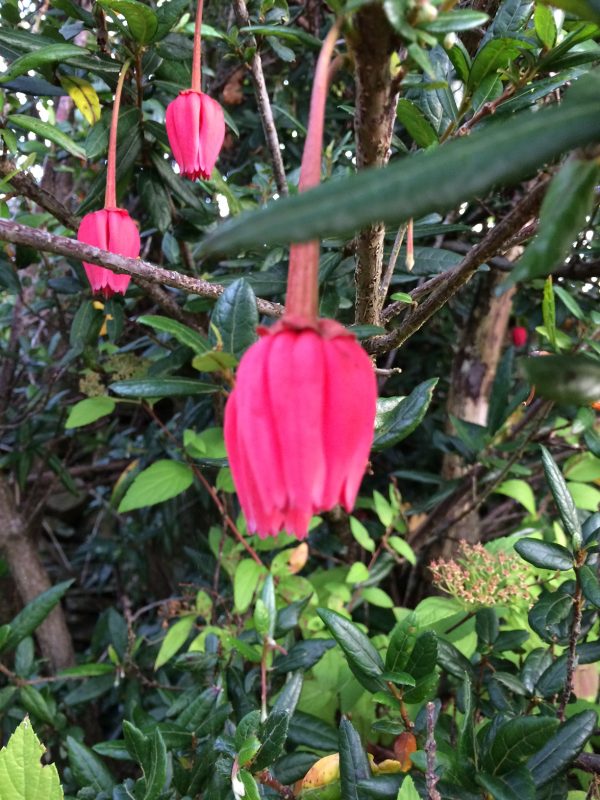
70, 248
264, 104
431, 778
572, 652
389, 271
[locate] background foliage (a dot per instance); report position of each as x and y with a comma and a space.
158, 651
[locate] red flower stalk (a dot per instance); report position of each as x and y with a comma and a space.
519, 336
299, 422
195, 122
111, 228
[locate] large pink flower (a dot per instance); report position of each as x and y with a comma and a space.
299, 425
110, 229
196, 129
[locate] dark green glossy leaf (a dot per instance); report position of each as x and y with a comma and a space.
515, 741
34, 613
426, 182
235, 316
305, 729
590, 585
494, 55
572, 379
161, 387
272, 734
364, 661
141, 20
303, 655
87, 768
184, 334
562, 498
544, 554
562, 748
517, 785
354, 765
397, 417
50, 54
461, 20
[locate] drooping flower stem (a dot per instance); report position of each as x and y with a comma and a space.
110, 196
197, 57
302, 298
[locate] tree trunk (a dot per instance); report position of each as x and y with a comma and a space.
376, 99
31, 579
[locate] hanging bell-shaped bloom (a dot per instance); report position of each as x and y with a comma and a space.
299, 425
109, 229
196, 129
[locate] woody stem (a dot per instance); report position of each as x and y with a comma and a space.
197, 57
110, 196
302, 297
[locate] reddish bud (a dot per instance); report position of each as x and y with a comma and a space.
519, 336
196, 129
299, 425
110, 229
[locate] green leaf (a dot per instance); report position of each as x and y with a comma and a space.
89, 410
155, 767
34, 613
586, 9
562, 498
550, 615
364, 661
354, 765
520, 491
22, 776
358, 573
545, 26
87, 768
51, 54
544, 554
496, 54
273, 735
407, 791
44, 130
377, 597
420, 184
515, 741
398, 417
417, 125
567, 203
142, 22
235, 316
562, 748
572, 379
245, 581
182, 333
361, 534
516, 785
161, 387
289, 32
175, 639
461, 20
590, 585
159, 482
402, 547
549, 312
402, 641
251, 791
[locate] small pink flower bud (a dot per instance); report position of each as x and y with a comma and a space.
196, 129
519, 336
109, 229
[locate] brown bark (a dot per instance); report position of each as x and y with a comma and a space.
473, 372
376, 99
31, 579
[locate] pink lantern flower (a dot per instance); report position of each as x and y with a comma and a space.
195, 122
196, 129
519, 336
299, 422
299, 425
111, 228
